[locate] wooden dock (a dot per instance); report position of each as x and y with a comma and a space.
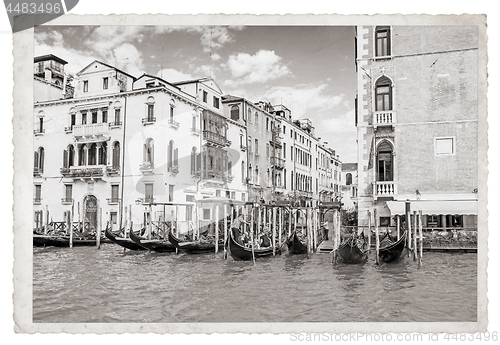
325, 246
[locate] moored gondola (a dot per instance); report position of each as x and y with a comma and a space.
295, 245
390, 250
243, 253
193, 247
61, 241
160, 246
352, 251
124, 242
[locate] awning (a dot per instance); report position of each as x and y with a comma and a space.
430, 207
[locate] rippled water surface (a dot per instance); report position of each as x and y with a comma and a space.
84, 284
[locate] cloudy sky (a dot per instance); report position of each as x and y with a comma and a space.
309, 69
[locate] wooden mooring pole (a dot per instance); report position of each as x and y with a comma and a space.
251, 233
421, 236
369, 231
415, 249
377, 239
68, 224
225, 231
398, 225
216, 229
408, 225
99, 228
274, 231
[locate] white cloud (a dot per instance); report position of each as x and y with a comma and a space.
128, 58
172, 75
263, 66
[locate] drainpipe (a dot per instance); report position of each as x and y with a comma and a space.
123, 161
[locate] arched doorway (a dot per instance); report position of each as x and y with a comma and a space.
90, 214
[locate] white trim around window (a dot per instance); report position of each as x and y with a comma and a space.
445, 146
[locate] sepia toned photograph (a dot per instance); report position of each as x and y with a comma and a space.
252, 175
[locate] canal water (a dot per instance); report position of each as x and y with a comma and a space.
84, 284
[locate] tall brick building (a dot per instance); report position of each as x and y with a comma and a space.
417, 123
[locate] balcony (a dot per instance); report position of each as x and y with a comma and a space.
384, 118
113, 201
92, 132
39, 131
243, 148
173, 124
68, 130
115, 124
146, 200
384, 189
215, 139
82, 172
279, 163
37, 172
37, 201
276, 140
112, 170
66, 201
147, 168
148, 120
195, 131
174, 169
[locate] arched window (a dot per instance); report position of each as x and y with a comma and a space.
382, 41
82, 154
103, 154
230, 168
250, 172
385, 168
150, 103
116, 154
348, 179
257, 180
148, 154
39, 160
383, 94
243, 171
92, 154
193, 161
256, 146
256, 118
71, 156
170, 154
235, 112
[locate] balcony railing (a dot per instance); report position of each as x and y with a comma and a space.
92, 131
215, 138
37, 200
67, 201
384, 118
383, 189
276, 140
83, 172
37, 172
195, 131
115, 124
39, 131
173, 124
148, 120
113, 201
112, 170
213, 175
243, 148
174, 169
278, 163
147, 168
146, 200
68, 129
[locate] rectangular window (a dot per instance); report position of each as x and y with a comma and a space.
190, 198
73, 120
383, 41
84, 118
150, 85
284, 151
115, 189
256, 146
217, 193
216, 102
113, 217
206, 214
104, 116
148, 192
68, 192
38, 192
85, 86
444, 146
233, 195
94, 117
205, 96
151, 112
117, 116
171, 113
170, 192
228, 194
242, 196
105, 83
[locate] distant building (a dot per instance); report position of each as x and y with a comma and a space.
51, 82
349, 185
417, 123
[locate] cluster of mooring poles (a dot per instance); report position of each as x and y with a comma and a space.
336, 234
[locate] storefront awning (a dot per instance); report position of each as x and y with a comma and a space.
431, 207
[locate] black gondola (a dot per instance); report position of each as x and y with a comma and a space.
193, 247
390, 250
295, 246
61, 241
160, 246
124, 242
352, 251
242, 253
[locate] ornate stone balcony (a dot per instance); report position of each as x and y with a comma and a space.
113, 201
384, 118
174, 169
279, 163
147, 168
148, 120
92, 132
83, 172
173, 124
215, 139
112, 170
385, 189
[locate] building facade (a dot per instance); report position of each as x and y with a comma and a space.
349, 186
118, 143
417, 123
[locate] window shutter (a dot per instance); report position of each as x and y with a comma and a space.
176, 152
35, 164
65, 159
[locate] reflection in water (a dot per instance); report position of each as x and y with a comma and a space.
88, 285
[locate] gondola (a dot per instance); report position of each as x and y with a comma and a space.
193, 247
242, 253
60, 241
351, 251
160, 246
124, 242
390, 250
295, 246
